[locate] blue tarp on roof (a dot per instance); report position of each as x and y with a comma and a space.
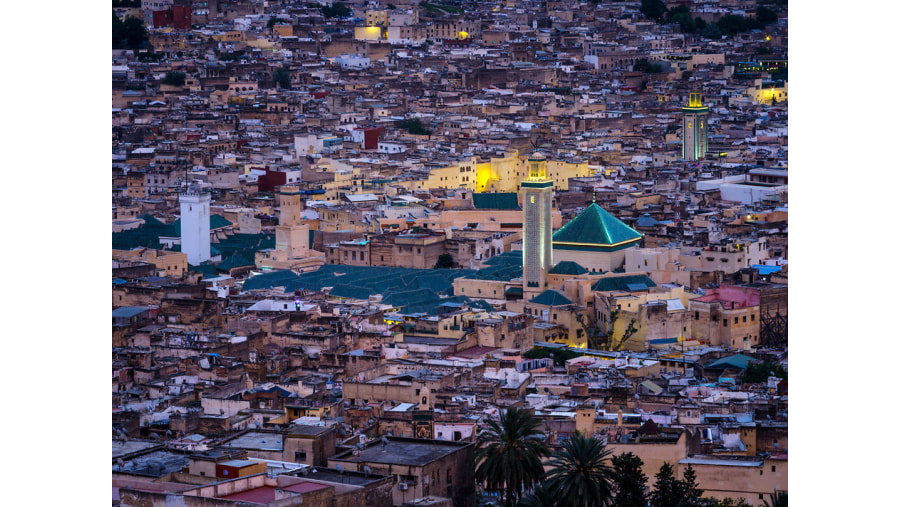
126, 312
766, 270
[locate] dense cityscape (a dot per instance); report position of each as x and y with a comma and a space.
512, 253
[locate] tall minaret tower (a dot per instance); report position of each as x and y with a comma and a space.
195, 224
694, 139
291, 236
537, 251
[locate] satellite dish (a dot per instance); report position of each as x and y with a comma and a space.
367, 470
339, 468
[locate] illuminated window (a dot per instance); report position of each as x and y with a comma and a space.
532, 199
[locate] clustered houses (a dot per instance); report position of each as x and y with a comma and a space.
341, 243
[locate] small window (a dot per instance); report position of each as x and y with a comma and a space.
725, 322
696, 315
735, 320
752, 318
773, 468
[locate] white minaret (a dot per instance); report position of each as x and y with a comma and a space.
537, 251
195, 224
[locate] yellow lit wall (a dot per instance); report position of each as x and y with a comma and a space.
367, 33
500, 174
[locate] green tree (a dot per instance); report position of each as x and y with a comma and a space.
118, 31
667, 490
509, 455
765, 15
653, 9
282, 78
644, 65
692, 494
711, 31
134, 33
444, 261
580, 472
629, 481
174, 79
760, 372
414, 126
685, 22
336, 10
699, 25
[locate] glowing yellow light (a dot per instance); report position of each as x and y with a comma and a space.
372, 28
463, 35
768, 38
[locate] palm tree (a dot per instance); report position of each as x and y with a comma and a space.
509, 455
777, 500
539, 497
581, 475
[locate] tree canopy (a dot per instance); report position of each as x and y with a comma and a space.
509, 455
653, 9
444, 261
336, 10
580, 474
282, 77
629, 480
760, 372
129, 34
415, 127
174, 79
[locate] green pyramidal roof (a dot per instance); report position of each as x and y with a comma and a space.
596, 226
551, 298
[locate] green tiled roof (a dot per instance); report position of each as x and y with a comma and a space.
513, 257
595, 226
408, 297
207, 269
236, 260
271, 279
568, 268
496, 201
738, 361
621, 283
151, 221
350, 292
215, 222
551, 298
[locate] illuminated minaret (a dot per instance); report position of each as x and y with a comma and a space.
537, 251
694, 143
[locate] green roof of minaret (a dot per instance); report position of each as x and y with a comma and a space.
595, 226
